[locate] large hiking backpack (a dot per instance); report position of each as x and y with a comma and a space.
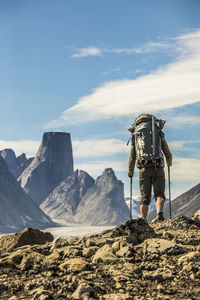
146, 136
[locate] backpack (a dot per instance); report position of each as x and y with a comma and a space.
146, 136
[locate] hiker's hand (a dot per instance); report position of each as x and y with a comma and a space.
130, 173
169, 164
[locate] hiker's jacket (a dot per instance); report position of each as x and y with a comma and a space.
164, 147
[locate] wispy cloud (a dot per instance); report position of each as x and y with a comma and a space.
89, 51
191, 146
187, 120
99, 148
170, 86
144, 49
185, 169
112, 70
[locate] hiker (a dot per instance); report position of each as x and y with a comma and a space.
147, 148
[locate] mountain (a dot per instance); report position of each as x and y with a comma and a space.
16, 165
103, 203
21, 167
51, 165
18, 210
65, 198
186, 204
82, 199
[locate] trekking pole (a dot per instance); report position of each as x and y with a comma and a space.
131, 189
170, 207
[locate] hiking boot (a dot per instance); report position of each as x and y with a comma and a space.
159, 218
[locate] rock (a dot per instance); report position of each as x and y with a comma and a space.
196, 216
125, 251
137, 229
101, 266
189, 257
18, 209
160, 274
72, 252
104, 254
28, 236
83, 291
160, 247
58, 243
74, 265
51, 165
88, 252
117, 296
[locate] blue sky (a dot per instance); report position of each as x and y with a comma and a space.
89, 67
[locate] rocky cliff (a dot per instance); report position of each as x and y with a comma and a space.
103, 203
62, 203
51, 165
186, 204
134, 261
16, 165
82, 199
17, 209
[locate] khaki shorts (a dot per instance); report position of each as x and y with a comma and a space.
151, 177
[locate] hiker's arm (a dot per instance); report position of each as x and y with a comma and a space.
132, 159
166, 150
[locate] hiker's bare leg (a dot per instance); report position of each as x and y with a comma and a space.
159, 206
144, 210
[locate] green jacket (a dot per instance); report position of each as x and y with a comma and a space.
165, 149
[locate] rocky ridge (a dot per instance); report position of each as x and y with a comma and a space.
52, 164
135, 260
17, 209
80, 198
16, 165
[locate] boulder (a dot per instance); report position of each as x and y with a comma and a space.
28, 236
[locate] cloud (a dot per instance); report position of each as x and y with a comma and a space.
99, 148
145, 49
29, 147
185, 169
170, 86
179, 121
184, 145
89, 51
111, 71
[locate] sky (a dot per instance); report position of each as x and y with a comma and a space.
89, 67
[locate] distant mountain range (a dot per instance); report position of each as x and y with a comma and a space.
51, 187
50, 181
186, 204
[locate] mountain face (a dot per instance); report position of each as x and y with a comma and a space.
186, 204
103, 203
51, 165
16, 165
64, 200
82, 199
18, 210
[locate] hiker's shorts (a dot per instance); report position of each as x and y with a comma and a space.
151, 177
